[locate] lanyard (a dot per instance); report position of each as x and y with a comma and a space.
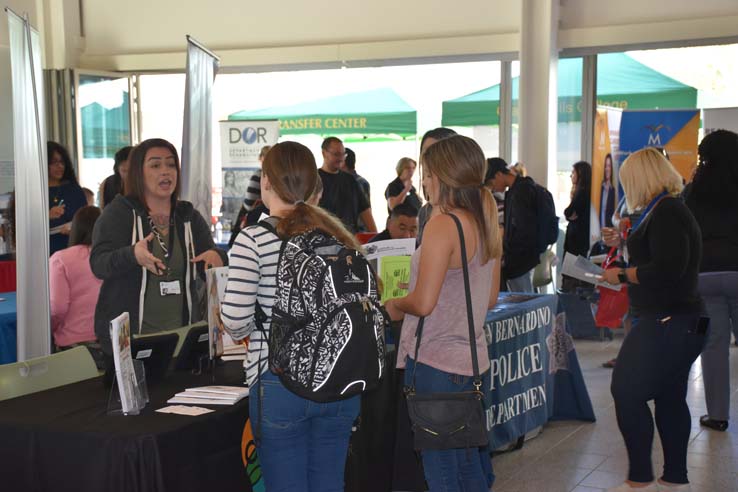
648, 210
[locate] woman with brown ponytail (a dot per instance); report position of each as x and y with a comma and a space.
453, 174
303, 444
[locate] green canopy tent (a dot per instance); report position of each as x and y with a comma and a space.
621, 82
362, 116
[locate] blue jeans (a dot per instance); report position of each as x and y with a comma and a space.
303, 444
523, 283
451, 470
653, 364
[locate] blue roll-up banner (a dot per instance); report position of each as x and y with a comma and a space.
674, 130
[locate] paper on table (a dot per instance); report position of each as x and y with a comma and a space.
199, 401
184, 410
582, 269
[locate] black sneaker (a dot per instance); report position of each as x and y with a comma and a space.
718, 425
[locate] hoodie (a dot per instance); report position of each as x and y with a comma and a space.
122, 224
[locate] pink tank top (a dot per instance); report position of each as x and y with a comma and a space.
445, 342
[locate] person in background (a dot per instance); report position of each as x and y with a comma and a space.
65, 196
74, 289
149, 247
402, 224
607, 197
303, 444
667, 335
713, 199
115, 184
342, 195
494, 163
252, 199
253, 189
521, 229
519, 169
349, 166
577, 217
401, 190
89, 196
453, 173
429, 138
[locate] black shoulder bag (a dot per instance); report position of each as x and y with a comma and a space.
449, 420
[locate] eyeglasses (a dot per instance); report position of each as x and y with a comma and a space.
55, 162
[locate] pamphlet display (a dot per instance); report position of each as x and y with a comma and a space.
130, 381
217, 278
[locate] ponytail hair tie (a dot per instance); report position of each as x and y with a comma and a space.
299, 202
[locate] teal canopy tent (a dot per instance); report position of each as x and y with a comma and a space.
621, 82
362, 116
104, 131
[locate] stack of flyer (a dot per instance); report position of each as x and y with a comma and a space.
210, 395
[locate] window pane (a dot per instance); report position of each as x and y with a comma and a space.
105, 126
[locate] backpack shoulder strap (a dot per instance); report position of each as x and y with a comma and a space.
270, 224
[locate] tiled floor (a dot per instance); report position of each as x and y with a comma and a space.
590, 457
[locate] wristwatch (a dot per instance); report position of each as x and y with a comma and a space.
622, 277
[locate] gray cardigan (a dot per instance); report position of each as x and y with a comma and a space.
123, 223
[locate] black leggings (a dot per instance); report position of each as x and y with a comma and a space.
653, 364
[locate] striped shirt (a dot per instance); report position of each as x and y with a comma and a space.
252, 278
253, 191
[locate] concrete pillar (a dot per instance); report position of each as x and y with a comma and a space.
538, 97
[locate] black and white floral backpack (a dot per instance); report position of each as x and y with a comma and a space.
326, 340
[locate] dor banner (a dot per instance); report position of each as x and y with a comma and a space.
674, 130
241, 142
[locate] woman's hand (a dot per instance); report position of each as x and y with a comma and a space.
66, 229
211, 259
611, 237
56, 212
145, 258
611, 276
394, 313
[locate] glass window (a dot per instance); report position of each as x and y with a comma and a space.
105, 126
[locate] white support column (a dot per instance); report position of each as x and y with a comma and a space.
538, 96
506, 111
589, 104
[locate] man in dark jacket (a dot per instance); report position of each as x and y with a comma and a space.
520, 232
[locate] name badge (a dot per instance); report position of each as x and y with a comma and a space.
170, 288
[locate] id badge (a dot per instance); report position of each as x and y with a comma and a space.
170, 288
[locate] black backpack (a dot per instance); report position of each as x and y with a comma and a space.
326, 341
547, 222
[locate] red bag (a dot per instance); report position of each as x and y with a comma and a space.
613, 304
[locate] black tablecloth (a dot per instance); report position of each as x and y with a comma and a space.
62, 439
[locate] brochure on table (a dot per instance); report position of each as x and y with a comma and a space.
131, 394
391, 260
211, 395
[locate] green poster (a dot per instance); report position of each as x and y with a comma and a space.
395, 273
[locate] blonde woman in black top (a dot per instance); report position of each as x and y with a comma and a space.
667, 336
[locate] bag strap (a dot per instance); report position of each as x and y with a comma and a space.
469, 314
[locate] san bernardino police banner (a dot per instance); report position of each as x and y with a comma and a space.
535, 373
241, 142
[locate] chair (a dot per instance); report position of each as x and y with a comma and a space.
180, 332
42, 373
543, 272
